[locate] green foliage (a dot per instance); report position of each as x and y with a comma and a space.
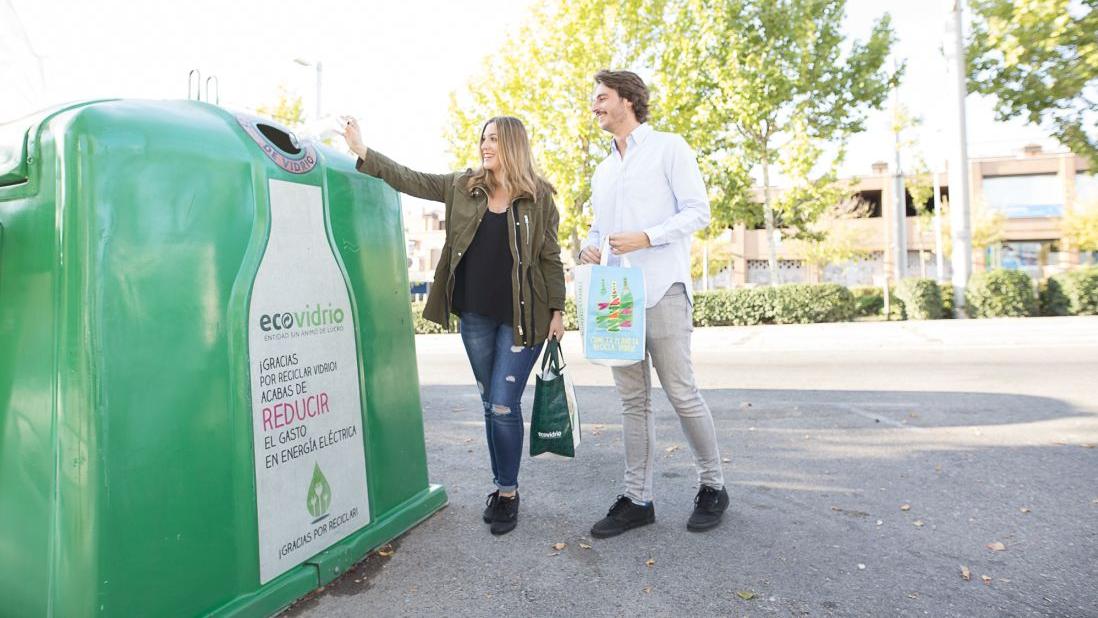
804, 303
734, 307
1000, 293
921, 298
868, 300
1071, 293
794, 303
426, 327
946, 291
768, 83
544, 76
741, 80
1040, 60
288, 110
1080, 226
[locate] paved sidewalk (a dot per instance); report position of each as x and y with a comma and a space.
868, 463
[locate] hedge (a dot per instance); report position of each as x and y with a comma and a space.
1000, 293
921, 298
1071, 293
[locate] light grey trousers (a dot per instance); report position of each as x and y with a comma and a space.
667, 345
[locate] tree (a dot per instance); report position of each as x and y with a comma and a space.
287, 110
545, 78
836, 241
988, 227
920, 185
1039, 58
764, 77
1080, 226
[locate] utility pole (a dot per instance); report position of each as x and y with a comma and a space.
899, 197
958, 162
939, 259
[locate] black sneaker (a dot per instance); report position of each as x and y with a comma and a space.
490, 504
624, 515
709, 506
505, 514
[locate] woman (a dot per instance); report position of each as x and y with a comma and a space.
500, 273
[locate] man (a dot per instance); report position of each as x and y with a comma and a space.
649, 199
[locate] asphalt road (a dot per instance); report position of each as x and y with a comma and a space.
869, 465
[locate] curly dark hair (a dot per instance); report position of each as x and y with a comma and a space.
630, 87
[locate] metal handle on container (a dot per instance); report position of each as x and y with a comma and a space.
217, 90
197, 84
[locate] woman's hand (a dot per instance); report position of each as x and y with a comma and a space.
353, 136
556, 325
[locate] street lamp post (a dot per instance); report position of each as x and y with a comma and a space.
319, 66
958, 163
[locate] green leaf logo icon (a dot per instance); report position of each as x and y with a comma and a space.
319, 498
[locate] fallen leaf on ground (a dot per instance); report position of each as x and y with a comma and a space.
996, 546
746, 595
986, 580
965, 573
386, 551
559, 546
647, 589
672, 449
584, 546
905, 507
918, 523
650, 562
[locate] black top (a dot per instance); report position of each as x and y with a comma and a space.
483, 278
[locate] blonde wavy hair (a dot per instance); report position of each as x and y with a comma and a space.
520, 177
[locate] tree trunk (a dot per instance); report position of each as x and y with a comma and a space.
768, 216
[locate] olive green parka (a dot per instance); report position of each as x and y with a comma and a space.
537, 274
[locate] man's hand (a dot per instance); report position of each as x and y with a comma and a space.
590, 255
626, 242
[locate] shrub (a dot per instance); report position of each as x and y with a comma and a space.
1071, 293
946, 291
1000, 293
921, 298
736, 307
803, 303
426, 327
571, 321
1051, 297
868, 300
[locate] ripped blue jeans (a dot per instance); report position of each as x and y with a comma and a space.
501, 369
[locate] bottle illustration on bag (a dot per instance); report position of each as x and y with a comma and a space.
603, 302
626, 305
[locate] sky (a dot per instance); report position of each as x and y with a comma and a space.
391, 64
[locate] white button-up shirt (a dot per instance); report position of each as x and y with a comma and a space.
656, 188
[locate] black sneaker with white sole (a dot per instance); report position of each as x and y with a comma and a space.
709, 506
624, 515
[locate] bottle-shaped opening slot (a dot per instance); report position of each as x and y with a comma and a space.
283, 140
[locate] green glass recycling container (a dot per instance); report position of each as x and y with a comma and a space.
208, 391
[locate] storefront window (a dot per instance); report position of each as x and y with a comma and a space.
1035, 195
1029, 256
